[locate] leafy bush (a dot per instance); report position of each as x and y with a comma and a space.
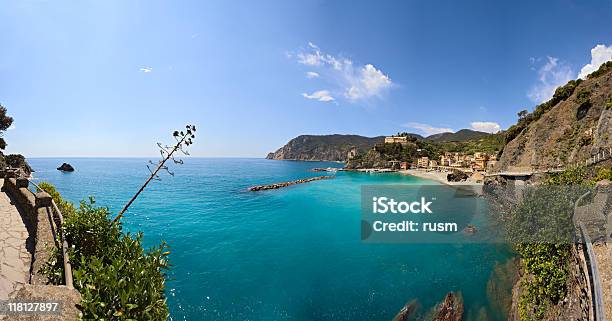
575, 175
541, 228
602, 70
583, 96
66, 207
603, 173
547, 265
117, 278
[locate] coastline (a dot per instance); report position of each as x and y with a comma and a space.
440, 177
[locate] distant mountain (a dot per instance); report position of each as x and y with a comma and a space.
459, 136
336, 147
324, 147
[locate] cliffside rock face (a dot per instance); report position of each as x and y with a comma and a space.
324, 147
568, 133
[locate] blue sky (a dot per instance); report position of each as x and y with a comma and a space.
111, 78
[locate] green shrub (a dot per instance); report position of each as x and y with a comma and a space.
575, 175
583, 96
546, 214
602, 70
117, 278
603, 173
547, 265
65, 207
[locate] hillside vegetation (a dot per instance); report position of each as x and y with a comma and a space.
462, 135
374, 151
324, 147
566, 130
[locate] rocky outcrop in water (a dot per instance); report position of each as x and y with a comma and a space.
65, 167
451, 309
406, 312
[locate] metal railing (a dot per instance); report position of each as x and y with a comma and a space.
602, 155
591, 261
59, 240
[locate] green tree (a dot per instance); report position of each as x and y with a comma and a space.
5, 122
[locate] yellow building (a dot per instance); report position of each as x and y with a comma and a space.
423, 162
396, 139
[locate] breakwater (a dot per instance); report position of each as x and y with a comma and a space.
285, 184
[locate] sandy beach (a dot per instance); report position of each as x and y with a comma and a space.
441, 178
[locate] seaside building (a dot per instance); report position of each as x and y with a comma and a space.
479, 162
423, 162
446, 159
404, 165
433, 163
396, 139
352, 153
491, 165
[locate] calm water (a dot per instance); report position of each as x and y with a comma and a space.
288, 254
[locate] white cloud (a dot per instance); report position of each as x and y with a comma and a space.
146, 69
312, 74
485, 126
320, 95
551, 75
428, 129
369, 82
355, 82
599, 55
11, 127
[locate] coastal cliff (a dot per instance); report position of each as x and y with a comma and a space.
324, 147
565, 131
575, 124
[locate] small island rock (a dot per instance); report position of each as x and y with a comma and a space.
66, 168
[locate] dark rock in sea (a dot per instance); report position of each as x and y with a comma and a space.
406, 312
456, 176
66, 168
451, 309
470, 229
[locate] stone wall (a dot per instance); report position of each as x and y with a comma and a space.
37, 213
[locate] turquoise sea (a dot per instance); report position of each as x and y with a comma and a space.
287, 254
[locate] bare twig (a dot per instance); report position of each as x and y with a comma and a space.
184, 139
